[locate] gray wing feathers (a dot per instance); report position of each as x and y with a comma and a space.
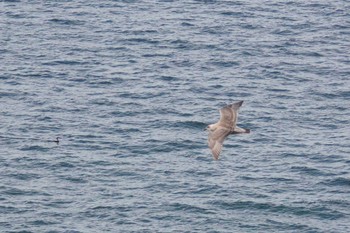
228, 115
216, 139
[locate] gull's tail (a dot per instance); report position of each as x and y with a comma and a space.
238, 130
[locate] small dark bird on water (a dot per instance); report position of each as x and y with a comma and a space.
57, 140
224, 127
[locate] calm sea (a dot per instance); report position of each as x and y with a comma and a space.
129, 87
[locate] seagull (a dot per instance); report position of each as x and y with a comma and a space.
224, 127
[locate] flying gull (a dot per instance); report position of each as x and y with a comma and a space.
224, 127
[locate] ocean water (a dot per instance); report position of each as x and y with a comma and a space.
130, 85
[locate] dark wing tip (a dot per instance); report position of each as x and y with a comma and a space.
237, 104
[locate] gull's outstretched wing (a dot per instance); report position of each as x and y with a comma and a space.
216, 139
229, 114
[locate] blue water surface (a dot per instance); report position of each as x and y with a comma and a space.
129, 86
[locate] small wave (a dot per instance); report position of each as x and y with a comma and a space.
310, 171
340, 181
35, 148
188, 208
190, 124
66, 21
303, 210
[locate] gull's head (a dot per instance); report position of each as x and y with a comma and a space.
209, 127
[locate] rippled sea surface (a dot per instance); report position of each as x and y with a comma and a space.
129, 86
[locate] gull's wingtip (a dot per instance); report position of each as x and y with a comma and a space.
237, 105
215, 156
